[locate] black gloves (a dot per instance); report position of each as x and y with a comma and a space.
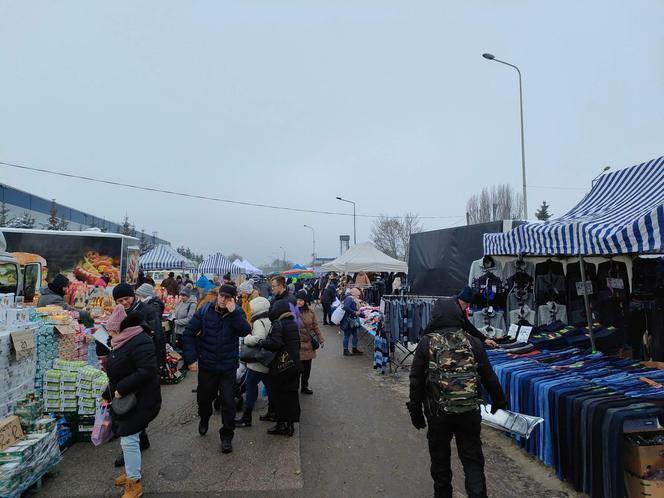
498, 406
416, 415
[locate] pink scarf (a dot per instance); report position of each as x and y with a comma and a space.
125, 336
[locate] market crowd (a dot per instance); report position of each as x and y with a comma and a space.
216, 324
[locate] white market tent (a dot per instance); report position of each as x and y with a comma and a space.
365, 257
248, 267
163, 257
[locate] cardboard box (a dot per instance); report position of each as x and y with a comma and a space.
636, 487
641, 460
10, 431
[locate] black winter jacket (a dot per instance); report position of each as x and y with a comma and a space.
133, 369
211, 338
153, 309
329, 294
285, 336
446, 318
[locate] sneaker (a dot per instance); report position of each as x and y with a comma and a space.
357, 352
226, 446
346, 352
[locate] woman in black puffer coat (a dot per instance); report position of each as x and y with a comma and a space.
132, 368
284, 387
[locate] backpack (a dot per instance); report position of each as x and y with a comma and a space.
452, 382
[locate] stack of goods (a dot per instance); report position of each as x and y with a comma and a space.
91, 384
17, 377
31, 448
101, 305
586, 401
48, 348
61, 385
78, 294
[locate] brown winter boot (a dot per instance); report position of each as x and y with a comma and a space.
133, 489
121, 480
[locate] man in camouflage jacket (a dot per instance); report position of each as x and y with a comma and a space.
462, 420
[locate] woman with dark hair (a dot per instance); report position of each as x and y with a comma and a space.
284, 340
308, 329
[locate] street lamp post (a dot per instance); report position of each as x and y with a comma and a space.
354, 222
313, 254
606, 168
491, 57
284, 255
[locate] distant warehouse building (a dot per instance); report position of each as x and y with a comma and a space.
17, 202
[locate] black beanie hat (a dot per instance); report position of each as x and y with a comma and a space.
122, 290
59, 283
228, 290
302, 294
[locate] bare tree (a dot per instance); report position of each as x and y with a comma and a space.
500, 202
391, 234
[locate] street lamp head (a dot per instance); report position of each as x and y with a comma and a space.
489, 56
339, 198
606, 168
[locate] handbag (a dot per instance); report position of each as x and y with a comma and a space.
123, 405
315, 343
256, 354
102, 432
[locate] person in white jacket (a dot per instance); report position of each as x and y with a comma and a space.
256, 372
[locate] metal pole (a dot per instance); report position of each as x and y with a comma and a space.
491, 57
523, 151
586, 302
354, 227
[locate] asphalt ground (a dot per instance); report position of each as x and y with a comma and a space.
354, 440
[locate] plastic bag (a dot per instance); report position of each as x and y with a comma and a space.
508, 421
336, 303
338, 315
102, 432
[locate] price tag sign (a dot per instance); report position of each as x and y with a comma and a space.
65, 329
615, 283
588, 290
24, 343
524, 333
513, 331
10, 431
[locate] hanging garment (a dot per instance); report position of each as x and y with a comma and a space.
492, 332
518, 297
523, 314
551, 312
482, 266
612, 293
488, 317
576, 308
550, 283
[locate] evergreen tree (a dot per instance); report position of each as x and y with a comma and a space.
53, 220
4, 214
63, 224
543, 213
26, 220
126, 228
145, 244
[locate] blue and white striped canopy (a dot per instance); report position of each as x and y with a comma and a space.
622, 214
217, 264
163, 257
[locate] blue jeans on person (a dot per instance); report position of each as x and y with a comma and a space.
347, 334
253, 378
132, 456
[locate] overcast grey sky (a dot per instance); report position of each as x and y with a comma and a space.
388, 103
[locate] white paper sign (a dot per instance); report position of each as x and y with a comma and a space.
615, 283
524, 333
513, 331
101, 335
579, 288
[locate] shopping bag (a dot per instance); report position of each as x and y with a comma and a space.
336, 303
509, 421
283, 364
338, 315
102, 432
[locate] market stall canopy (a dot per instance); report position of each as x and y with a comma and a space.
248, 267
217, 264
303, 271
622, 214
297, 267
163, 257
365, 257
